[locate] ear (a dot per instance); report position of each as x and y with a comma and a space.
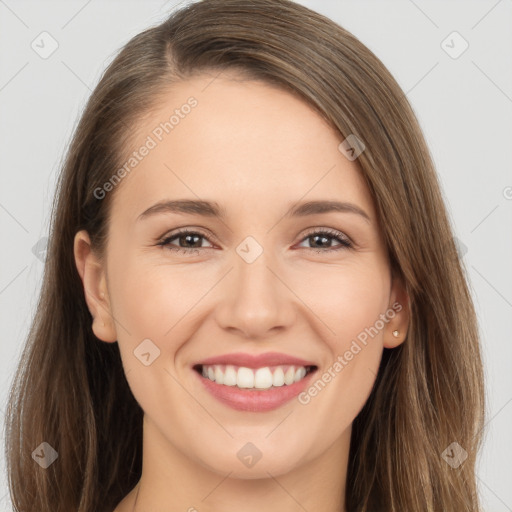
399, 302
95, 288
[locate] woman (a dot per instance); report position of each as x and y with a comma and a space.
256, 368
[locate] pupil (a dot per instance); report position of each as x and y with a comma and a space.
188, 237
315, 237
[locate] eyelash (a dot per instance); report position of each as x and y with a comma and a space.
345, 243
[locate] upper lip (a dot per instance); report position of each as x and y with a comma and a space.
256, 361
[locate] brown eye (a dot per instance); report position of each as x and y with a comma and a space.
322, 240
189, 241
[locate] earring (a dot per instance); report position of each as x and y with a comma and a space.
395, 334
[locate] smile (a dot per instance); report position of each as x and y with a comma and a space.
254, 389
254, 378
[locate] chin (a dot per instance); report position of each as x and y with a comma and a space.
242, 466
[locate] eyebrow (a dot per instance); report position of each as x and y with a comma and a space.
212, 209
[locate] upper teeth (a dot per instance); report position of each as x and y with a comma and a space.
262, 378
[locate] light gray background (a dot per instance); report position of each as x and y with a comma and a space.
464, 106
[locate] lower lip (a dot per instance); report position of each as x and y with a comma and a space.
255, 400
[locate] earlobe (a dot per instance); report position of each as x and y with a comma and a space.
92, 274
397, 338
396, 329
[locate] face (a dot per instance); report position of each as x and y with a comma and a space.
250, 271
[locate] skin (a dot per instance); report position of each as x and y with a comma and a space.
254, 149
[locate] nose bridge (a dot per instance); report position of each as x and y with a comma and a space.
252, 272
256, 300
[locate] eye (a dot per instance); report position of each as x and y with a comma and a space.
325, 236
188, 238
192, 241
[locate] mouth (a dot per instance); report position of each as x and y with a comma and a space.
241, 377
254, 389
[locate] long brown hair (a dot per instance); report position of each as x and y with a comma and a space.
70, 390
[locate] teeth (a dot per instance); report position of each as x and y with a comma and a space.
244, 378
230, 377
219, 375
289, 376
278, 377
299, 374
247, 378
263, 378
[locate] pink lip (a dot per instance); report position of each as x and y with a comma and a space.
256, 361
255, 400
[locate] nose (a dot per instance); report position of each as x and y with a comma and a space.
256, 301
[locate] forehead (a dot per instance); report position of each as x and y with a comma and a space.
243, 143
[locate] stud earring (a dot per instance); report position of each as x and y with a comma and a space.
395, 334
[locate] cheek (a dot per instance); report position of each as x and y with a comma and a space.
151, 303
359, 326
350, 304
346, 298
364, 299
158, 302
152, 298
